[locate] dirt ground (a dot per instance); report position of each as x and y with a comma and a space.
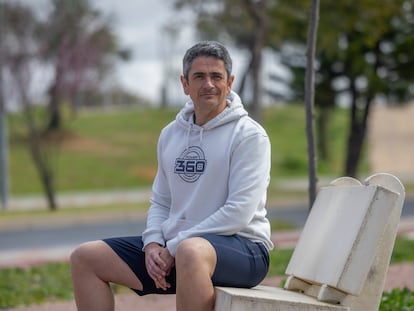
391, 145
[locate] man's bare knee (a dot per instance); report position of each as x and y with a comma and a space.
195, 252
100, 260
83, 252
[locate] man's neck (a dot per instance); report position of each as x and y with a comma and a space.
200, 118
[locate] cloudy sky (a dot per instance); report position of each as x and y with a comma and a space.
140, 26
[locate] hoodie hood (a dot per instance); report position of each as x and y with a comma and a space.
233, 111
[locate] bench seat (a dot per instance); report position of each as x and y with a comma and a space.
267, 298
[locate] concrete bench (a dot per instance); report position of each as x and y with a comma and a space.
341, 259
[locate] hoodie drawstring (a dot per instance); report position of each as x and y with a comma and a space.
189, 129
201, 137
188, 136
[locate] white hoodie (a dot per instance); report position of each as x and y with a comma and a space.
211, 178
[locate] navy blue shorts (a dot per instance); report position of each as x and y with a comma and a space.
240, 262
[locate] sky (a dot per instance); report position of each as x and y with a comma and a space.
140, 27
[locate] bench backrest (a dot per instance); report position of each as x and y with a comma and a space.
344, 249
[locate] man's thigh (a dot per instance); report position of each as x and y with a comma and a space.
240, 262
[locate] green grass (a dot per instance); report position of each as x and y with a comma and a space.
98, 150
279, 259
398, 299
117, 149
403, 250
49, 282
35, 285
286, 128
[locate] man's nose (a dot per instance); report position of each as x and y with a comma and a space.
208, 82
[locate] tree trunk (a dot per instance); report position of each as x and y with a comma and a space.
257, 9
54, 110
309, 99
357, 133
44, 170
257, 85
55, 119
244, 76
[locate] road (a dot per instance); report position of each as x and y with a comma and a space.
73, 234
19, 246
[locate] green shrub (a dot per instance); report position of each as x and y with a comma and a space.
397, 300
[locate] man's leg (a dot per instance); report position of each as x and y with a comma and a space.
93, 266
195, 262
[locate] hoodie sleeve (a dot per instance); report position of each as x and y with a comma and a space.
247, 186
160, 205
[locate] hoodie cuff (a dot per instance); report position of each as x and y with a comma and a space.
153, 239
172, 246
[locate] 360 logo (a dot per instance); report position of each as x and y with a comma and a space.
191, 164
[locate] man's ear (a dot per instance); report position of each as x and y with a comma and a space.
230, 83
184, 83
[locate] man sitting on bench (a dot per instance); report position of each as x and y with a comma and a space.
207, 222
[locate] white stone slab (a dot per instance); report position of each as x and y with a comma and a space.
337, 245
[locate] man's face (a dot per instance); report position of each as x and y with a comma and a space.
207, 86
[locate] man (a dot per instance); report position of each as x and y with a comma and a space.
207, 222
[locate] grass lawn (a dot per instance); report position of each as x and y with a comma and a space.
95, 151
104, 150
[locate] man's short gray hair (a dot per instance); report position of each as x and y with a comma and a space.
207, 48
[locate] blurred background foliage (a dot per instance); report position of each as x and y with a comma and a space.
88, 133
